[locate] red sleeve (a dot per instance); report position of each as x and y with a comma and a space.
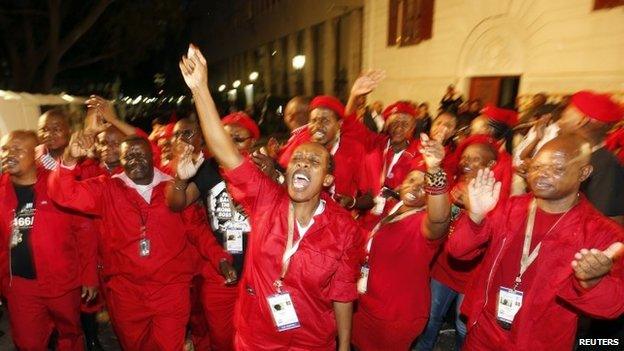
343, 285
250, 187
200, 235
287, 150
83, 196
467, 239
606, 299
87, 250
351, 127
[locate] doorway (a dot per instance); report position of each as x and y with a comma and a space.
497, 90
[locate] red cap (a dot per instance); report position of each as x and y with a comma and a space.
597, 106
399, 107
243, 120
477, 139
503, 115
329, 102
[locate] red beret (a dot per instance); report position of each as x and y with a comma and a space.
477, 139
399, 107
597, 106
503, 115
243, 120
328, 102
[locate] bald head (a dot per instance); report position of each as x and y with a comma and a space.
18, 154
296, 112
28, 136
559, 168
575, 147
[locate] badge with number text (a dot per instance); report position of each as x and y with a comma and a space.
283, 311
508, 304
234, 241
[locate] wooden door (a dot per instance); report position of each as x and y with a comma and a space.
487, 89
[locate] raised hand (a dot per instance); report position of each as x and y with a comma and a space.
104, 113
591, 265
79, 146
483, 194
186, 164
432, 151
367, 82
194, 69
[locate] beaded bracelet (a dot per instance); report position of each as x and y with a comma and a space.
436, 182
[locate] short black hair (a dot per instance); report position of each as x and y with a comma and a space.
137, 139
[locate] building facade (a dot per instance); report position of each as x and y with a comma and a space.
556, 46
265, 36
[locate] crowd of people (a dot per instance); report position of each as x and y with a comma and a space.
365, 230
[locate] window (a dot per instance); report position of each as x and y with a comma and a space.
607, 4
409, 21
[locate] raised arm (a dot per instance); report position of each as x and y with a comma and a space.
63, 187
195, 73
106, 110
471, 233
364, 85
438, 217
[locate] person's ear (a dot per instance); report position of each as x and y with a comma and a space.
328, 180
491, 164
586, 171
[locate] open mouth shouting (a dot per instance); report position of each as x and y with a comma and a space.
300, 179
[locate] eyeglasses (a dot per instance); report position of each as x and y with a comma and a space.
187, 134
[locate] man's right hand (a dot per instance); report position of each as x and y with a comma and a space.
79, 146
194, 68
367, 82
483, 194
186, 162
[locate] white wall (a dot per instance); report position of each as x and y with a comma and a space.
557, 46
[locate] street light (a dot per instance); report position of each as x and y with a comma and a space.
298, 62
236, 84
253, 76
222, 87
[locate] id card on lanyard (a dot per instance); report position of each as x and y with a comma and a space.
509, 300
281, 304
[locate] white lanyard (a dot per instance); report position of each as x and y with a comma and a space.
529, 257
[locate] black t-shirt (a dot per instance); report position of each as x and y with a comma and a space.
22, 264
228, 221
605, 186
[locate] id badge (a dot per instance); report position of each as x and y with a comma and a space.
144, 247
283, 311
380, 204
234, 241
508, 304
362, 284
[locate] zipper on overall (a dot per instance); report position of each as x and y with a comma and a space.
487, 286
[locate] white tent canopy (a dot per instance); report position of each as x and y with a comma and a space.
21, 110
